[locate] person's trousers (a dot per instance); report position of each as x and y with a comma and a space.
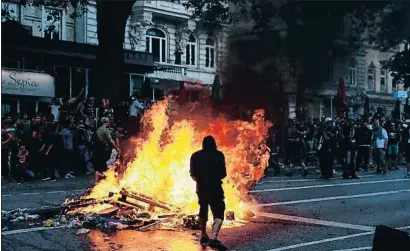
51, 164
133, 127
350, 160
326, 163
379, 158
363, 154
85, 154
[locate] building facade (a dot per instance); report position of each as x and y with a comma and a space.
182, 50
54, 46
365, 77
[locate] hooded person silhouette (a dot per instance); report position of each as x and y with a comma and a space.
208, 169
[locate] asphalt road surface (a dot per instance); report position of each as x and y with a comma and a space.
293, 214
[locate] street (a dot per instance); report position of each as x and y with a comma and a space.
294, 213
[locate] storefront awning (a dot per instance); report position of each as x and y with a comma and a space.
27, 83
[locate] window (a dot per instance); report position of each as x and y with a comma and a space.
10, 11
190, 51
383, 81
352, 76
53, 23
370, 77
209, 53
155, 44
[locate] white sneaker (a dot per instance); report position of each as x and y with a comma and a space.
69, 176
48, 178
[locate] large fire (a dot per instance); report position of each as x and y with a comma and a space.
160, 168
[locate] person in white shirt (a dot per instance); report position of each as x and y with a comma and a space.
55, 106
380, 139
135, 110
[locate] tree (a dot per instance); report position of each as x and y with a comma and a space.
111, 21
301, 31
394, 30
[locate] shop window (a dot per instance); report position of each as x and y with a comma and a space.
156, 44
10, 11
62, 82
383, 80
10, 64
30, 66
191, 51
136, 82
53, 23
78, 81
209, 53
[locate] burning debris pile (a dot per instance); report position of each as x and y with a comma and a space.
156, 188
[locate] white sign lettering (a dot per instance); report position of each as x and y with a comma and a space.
27, 83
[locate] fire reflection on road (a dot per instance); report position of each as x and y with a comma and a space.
142, 241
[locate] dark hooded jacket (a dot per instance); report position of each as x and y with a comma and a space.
208, 167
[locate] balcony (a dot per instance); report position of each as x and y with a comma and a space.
166, 10
169, 71
182, 73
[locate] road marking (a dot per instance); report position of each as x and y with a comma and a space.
306, 180
329, 198
315, 221
37, 193
27, 230
328, 240
355, 249
327, 185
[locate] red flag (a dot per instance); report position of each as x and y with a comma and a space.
341, 99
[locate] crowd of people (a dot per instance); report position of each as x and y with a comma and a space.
73, 137
371, 142
82, 136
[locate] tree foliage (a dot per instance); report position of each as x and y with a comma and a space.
393, 32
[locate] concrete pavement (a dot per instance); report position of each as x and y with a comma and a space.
295, 213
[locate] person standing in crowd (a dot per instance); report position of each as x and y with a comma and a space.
349, 151
83, 145
23, 169
380, 139
363, 140
407, 129
91, 112
26, 124
105, 110
294, 148
102, 145
50, 151
55, 105
134, 117
325, 150
6, 141
67, 153
34, 145
393, 146
207, 169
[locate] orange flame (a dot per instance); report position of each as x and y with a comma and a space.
161, 166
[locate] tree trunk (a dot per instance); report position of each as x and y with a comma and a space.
109, 69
